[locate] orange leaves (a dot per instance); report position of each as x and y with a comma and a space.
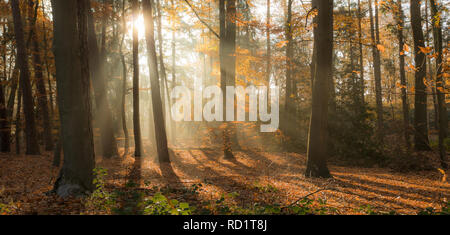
281, 44
425, 50
381, 48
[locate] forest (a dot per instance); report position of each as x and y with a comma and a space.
224, 107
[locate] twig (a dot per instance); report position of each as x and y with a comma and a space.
301, 198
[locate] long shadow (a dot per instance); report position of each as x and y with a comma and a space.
169, 176
129, 197
425, 194
394, 179
216, 155
227, 184
348, 186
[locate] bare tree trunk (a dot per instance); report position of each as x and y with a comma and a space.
18, 120
30, 130
401, 43
38, 74
103, 115
361, 59
5, 121
318, 132
136, 121
440, 83
174, 127
420, 98
268, 53
164, 88
124, 85
73, 84
159, 126
374, 33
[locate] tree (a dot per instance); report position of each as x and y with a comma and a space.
124, 84
440, 83
227, 50
73, 86
420, 97
158, 120
401, 45
318, 129
32, 146
98, 75
136, 118
361, 59
374, 34
39, 76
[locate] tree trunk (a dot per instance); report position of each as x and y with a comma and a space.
5, 121
318, 132
440, 83
18, 120
401, 43
136, 118
124, 84
39, 77
361, 59
103, 115
374, 34
30, 124
420, 98
73, 86
158, 117
268, 53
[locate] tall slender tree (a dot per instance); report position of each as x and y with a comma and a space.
136, 118
440, 82
374, 34
39, 77
32, 146
97, 60
158, 117
401, 44
420, 97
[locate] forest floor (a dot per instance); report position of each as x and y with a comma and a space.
200, 175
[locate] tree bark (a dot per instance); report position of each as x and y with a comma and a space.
318, 132
39, 77
401, 43
440, 83
73, 87
32, 146
361, 59
158, 120
420, 98
124, 85
136, 118
374, 34
268, 50
103, 115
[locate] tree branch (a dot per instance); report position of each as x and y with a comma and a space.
201, 20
